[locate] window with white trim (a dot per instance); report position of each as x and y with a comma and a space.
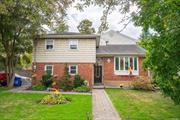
49, 44
49, 69
123, 65
73, 44
73, 69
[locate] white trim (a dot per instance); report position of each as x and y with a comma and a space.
51, 66
74, 40
46, 44
70, 69
126, 72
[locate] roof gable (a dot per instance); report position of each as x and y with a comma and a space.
115, 37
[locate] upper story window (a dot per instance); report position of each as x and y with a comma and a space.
49, 69
124, 65
73, 44
49, 44
73, 69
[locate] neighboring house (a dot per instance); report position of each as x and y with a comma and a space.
98, 64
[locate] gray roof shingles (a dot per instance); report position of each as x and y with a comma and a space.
120, 50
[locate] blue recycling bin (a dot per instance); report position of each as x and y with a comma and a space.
17, 81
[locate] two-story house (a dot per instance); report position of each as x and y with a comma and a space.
106, 64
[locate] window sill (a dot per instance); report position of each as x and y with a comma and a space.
51, 50
126, 73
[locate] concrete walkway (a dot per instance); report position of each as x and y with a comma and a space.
102, 106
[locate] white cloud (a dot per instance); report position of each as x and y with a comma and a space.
94, 14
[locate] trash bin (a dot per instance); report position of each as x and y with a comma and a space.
17, 81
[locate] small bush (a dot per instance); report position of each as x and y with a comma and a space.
65, 82
46, 80
55, 98
78, 81
142, 83
38, 87
67, 85
82, 89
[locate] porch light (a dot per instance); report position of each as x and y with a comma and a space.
108, 60
34, 67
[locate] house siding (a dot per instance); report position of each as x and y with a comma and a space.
84, 69
109, 78
86, 52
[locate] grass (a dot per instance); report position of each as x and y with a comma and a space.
143, 105
25, 106
4, 88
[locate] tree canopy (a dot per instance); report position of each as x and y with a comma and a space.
21, 20
85, 27
162, 44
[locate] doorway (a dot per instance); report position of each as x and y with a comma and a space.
97, 74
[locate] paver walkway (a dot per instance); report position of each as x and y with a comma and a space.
102, 106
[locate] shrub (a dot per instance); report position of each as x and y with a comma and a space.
46, 80
38, 87
65, 82
82, 89
142, 83
78, 81
55, 98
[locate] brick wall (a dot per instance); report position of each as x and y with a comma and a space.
110, 78
84, 69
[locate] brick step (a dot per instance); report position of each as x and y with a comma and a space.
98, 87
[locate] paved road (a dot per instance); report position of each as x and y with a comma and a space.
102, 106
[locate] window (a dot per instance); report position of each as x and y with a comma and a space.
49, 69
131, 62
117, 63
135, 63
73, 69
49, 44
126, 63
73, 44
122, 65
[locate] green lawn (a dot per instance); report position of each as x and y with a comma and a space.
25, 106
143, 105
4, 88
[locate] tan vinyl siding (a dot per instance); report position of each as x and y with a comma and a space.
86, 52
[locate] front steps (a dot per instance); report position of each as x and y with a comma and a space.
98, 86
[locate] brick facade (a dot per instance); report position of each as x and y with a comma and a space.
84, 69
110, 78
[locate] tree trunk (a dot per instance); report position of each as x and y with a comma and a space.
10, 75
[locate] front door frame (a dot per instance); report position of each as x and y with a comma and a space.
101, 81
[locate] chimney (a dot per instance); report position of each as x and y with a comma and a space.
106, 42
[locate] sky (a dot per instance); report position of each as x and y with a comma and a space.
94, 13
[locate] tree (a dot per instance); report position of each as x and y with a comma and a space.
85, 27
61, 27
108, 7
163, 44
25, 61
21, 20
65, 81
